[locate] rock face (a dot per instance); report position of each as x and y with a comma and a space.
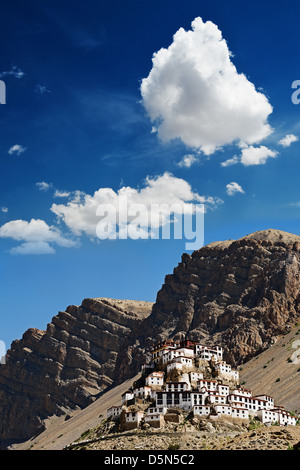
240, 294
66, 366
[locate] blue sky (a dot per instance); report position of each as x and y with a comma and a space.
89, 114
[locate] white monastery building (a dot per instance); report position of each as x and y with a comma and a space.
176, 377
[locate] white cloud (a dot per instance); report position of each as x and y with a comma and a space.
41, 89
43, 186
187, 161
16, 150
59, 193
14, 72
294, 204
256, 155
80, 214
34, 235
195, 93
233, 188
231, 161
288, 140
33, 248
4, 209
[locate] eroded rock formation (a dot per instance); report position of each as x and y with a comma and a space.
67, 366
240, 294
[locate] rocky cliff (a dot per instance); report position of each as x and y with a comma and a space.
241, 294
51, 372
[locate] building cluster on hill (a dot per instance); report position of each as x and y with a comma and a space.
191, 377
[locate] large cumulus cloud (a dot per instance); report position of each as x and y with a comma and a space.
195, 93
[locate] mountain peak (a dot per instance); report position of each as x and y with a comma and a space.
273, 235
269, 234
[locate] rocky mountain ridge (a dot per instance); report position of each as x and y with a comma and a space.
241, 294
65, 367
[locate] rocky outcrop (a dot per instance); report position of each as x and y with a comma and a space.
201, 434
241, 294
66, 366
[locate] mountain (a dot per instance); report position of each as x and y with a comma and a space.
65, 367
260, 374
241, 294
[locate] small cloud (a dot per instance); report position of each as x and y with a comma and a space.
59, 193
15, 72
35, 237
83, 39
288, 140
4, 210
33, 248
294, 204
231, 161
256, 155
41, 89
233, 188
16, 150
187, 161
89, 43
42, 186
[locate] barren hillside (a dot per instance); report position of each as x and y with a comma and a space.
276, 371
61, 432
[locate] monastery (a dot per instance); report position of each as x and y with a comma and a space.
193, 378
